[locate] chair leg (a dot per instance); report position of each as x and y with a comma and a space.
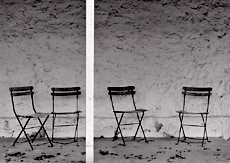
76, 130
35, 136
118, 127
181, 128
184, 136
51, 144
116, 131
140, 125
23, 130
205, 134
42, 127
54, 116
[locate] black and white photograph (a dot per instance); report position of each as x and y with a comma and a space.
173, 56
43, 69
143, 81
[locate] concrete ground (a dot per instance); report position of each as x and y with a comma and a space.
161, 150
63, 151
157, 150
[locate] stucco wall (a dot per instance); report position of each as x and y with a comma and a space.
159, 47
42, 44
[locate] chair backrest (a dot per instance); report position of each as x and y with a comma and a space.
199, 93
121, 91
66, 92
22, 91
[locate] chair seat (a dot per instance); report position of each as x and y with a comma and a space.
131, 111
75, 112
35, 115
186, 112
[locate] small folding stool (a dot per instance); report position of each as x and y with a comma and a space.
24, 93
64, 93
119, 113
195, 103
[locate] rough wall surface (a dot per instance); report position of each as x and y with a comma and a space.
159, 47
42, 44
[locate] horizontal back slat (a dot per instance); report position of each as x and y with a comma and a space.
127, 90
21, 93
196, 94
26, 88
65, 88
66, 93
121, 92
199, 89
121, 88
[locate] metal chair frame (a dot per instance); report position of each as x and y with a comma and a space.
194, 91
120, 91
28, 91
66, 91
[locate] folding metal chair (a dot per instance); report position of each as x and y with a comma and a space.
24, 92
126, 91
201, 95
67, 92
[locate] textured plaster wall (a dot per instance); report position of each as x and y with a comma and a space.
159, 47
42, 44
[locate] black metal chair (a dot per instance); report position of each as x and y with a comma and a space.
126, 91
191, 95
24, 92
67, 92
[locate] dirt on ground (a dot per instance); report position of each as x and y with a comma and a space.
156, 150
161, 150
64, 150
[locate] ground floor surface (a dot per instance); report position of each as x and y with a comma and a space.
157, 150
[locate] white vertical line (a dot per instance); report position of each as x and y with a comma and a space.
89, 81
